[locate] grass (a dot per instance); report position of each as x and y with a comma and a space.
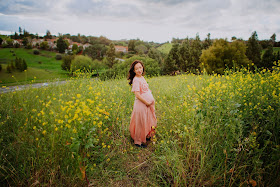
212, 131
43, 66
165, 48
276, 49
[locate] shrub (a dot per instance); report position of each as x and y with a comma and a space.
28, 46
83, 63
36, 52
17, 45
66, 64
58, 57
121, 69
9, 69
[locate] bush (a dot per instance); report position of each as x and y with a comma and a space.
58, 57
28, 46
36, 52
83, 63
9, 69
17, 45
66, 64
121, 69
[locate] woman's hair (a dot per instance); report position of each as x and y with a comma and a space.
131, 73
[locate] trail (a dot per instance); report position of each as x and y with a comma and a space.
21, 87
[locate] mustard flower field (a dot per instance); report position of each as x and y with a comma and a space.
218, 130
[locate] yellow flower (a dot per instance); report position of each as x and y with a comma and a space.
78, 95
44, 132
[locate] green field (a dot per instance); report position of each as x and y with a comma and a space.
43, 66
212, 131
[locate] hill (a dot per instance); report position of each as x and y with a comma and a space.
43, 66
165, 48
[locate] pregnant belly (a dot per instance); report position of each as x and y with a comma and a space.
148, 96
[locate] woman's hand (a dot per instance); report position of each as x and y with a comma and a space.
149, 103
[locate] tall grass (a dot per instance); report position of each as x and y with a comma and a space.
212, 130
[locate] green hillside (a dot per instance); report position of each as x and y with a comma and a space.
43, 66
165, 48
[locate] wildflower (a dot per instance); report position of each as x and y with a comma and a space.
44, 132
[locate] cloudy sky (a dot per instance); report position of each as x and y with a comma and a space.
148, 20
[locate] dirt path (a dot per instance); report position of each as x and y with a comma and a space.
21, 87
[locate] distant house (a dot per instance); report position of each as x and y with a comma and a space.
86, 45
36, 41
121, 49
52, 43
19, 41
72, 43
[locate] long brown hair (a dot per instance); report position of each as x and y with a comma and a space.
131, 73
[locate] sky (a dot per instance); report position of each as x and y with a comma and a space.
147, 20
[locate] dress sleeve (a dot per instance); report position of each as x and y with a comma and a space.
135, 85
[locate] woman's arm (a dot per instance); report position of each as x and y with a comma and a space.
138, 96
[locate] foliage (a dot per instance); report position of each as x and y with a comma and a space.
222, 55
44, 45
253, 51
131, 45
111, 55
82, 63
141, 49
61, 45
172, 62
96, 51
121, 69
75, 48
268, 58
36, 52
66, 62
0, 67
58, 57
212, 131
156, 55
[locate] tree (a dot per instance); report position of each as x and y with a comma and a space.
253, 51
25, 41
207, 42
196, 50
268, 58
61, 45
222, 54
155, 54
273, 39
172, 62
66, 62
141, 49
95, 51
131, 45
75, 48
1, 40
44, 45
111, 55
185, 56
48, 35
20, 30
82, 63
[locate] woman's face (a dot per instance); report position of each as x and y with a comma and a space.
138, 69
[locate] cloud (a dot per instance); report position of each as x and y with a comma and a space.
144, 18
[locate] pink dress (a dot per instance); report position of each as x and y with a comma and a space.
142, 117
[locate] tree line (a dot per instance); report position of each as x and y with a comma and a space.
186, 55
